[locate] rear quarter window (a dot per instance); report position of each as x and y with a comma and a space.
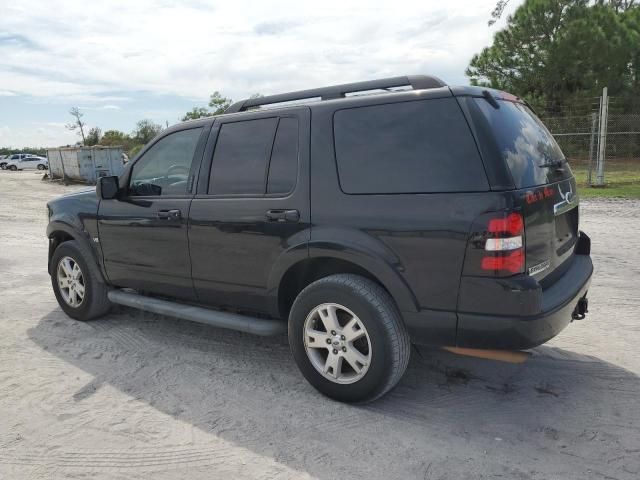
409, 147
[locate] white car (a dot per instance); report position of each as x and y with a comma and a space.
31, 162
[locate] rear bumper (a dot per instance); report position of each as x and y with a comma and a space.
519, 332
514, 313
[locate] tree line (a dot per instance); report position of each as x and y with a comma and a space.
131, 143
217, 105
145, 130
556, 52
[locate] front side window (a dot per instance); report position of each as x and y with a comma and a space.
409, 147
164, 169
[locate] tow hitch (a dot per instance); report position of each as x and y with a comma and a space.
581, 309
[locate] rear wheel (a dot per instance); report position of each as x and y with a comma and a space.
76, 284
348, 339
13, 168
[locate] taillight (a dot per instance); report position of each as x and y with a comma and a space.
504, 245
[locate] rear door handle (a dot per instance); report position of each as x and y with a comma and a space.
283, 215
169, 214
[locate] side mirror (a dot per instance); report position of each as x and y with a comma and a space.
107, 187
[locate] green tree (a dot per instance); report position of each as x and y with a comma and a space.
554, 50
196, 112
93, 137
145, 131
114, 138
219, 103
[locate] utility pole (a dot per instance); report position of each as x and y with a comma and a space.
602, 140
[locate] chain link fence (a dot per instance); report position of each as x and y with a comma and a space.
579, 130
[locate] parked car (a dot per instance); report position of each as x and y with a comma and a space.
3, 161
441, 215
13, 157
28, 162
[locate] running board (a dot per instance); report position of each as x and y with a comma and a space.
215, 318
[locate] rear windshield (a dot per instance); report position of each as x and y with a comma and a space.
531, 152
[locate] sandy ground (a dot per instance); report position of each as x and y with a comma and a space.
136, 395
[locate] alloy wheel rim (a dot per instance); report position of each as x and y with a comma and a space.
337, 343
70, 282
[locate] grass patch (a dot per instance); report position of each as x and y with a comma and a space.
619, 184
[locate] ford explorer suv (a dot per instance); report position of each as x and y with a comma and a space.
359, 218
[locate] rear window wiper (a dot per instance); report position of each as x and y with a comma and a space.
556, 164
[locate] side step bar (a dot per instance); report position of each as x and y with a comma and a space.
215, 318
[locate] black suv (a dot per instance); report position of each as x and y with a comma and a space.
368, 216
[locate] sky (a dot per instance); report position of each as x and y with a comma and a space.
122, 61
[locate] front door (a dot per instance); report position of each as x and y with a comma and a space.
29, 163
143, 232
252, 206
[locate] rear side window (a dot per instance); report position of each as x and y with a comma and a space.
527, 147
255, 157
283, 167
410, 147
241, 157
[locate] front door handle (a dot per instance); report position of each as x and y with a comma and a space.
283, 215
169, 214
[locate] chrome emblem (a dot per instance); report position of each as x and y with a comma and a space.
567, 198
539, 267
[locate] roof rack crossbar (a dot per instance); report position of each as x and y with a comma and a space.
417, 82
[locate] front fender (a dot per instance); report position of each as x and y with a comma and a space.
73, 227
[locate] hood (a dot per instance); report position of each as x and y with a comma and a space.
81, 202
82, 191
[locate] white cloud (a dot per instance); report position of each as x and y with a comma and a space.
45, 135
116, 58
192, 48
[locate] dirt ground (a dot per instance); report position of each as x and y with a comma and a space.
137, 395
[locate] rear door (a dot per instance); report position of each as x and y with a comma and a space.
546, 188
143, 233
252, 206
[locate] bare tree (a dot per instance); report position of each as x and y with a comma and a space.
77, 123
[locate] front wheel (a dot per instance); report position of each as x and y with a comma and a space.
348, 339
13, 168
76, 284
41, 167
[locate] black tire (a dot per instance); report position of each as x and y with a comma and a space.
374, 307
95, 302
41, 167
13, 168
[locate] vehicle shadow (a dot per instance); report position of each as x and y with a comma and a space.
558, 413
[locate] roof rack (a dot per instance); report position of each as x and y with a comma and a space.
417, 82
